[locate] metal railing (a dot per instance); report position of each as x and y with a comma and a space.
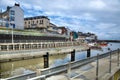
36, 45
62, 68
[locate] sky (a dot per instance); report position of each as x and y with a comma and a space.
101, 17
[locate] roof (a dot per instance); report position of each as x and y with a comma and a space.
8, 8
36, 17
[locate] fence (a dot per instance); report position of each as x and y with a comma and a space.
37, 45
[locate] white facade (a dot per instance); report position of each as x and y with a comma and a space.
13, 17
92, 37
16, 15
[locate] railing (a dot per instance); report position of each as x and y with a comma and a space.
29, 41
62, 68
37, 45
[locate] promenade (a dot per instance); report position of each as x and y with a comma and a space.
103, 68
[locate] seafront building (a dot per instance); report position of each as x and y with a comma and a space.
13, 17
37, 22
43, 24
87, 36
34, 28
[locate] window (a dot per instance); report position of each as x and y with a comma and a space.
28, 26
12, 12
37, 21
41, 21
29, 22
12, 18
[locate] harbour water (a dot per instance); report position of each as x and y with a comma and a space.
9, 69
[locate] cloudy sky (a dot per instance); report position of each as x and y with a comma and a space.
101, 17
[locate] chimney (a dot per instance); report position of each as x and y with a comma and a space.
17, 4
8, 7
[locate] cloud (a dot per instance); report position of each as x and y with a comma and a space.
97, 4
98, 16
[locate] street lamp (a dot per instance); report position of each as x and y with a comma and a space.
12, 36
13, 26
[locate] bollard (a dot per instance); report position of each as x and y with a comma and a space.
73, 55
118, 56
46, 60
88, 53
97, 66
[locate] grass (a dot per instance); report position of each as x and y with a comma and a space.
4, 30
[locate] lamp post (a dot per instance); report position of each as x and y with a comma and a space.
12, 36
13, 26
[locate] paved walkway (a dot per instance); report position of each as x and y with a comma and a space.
88, 72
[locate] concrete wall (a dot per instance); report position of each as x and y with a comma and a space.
56, 49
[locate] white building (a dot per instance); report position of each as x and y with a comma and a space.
13, 17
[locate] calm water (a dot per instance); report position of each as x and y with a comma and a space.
26, 66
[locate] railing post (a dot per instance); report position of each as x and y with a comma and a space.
97, 67
38, 72
118, 56
41, 45
24, 46
69, 68
110, 62
13, 46
37, 45
54, 44
7, 47
19, 46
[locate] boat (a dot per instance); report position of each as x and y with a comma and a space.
103, 43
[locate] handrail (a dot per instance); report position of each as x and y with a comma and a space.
58, 69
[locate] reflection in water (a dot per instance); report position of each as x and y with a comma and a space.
26, 66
